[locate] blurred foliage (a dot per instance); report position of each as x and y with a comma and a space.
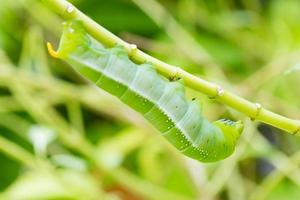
60, 138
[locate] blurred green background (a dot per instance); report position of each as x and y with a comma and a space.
61, 138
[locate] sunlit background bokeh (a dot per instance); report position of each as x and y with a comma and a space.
62, 138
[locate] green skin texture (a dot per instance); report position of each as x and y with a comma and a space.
161, 102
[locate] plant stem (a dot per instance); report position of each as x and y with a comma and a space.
68, 11
16, 152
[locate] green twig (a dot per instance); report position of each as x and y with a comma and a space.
75, 115
17, 152
253, 110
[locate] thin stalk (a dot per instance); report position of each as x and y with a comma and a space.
75, 115
8, 104
56, 88
180, 36
9, 121
253, 110
276, 176
17, 152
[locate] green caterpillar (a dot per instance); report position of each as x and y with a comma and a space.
161, 102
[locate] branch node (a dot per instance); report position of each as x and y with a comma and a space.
258, 109
219, 92
132, 49
175, 74
70, 8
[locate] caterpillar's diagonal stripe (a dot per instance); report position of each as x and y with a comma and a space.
160, 101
